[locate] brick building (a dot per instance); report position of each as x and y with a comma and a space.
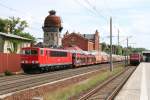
86, 42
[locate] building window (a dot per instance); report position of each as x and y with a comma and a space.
54, 29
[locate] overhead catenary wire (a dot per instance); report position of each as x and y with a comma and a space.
98, 12
12, 9
95, 10
86, 4
18, 11
92, 10
87, 8
107, 6
24, 13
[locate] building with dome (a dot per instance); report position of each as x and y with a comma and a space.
52, 28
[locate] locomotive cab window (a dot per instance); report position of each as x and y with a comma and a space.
34, 52
27, 52
30, 52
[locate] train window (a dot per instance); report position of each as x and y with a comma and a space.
27, 52
53, 53
30, 52
58, 54
46, 52
41, 52
34, 52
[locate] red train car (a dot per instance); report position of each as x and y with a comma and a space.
135, 58
44, 59
105, 57
82, 59
79, 59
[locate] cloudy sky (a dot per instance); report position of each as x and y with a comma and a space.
131, 17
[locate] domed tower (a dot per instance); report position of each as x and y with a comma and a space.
52, 28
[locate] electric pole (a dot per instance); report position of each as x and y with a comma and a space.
118, 37
111, 63
127, 51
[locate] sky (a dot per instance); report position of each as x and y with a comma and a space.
131, 17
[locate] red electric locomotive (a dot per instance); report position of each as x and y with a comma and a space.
135, 58
44, 59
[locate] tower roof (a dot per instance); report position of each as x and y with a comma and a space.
52, 20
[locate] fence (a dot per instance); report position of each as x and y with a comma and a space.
9, 62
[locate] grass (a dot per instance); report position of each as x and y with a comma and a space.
8, 73
71, 90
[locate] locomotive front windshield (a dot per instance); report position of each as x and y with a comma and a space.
30, 52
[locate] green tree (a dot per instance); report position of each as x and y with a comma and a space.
104, 46
119, 50
4, 25
138, 49
15, 26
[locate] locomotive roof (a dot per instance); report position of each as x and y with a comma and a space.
44, 48
64, 50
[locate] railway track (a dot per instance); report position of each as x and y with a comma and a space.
23, 76
109, 89
16, 83
17, 77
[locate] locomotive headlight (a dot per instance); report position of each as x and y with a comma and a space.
32, 62
22, 61
26, 61
36, 62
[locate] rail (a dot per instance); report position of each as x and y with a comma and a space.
107, 93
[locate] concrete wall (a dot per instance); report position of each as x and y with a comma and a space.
9, 44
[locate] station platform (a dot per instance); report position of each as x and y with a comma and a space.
138, 85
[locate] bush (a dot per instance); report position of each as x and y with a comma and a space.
8, 73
